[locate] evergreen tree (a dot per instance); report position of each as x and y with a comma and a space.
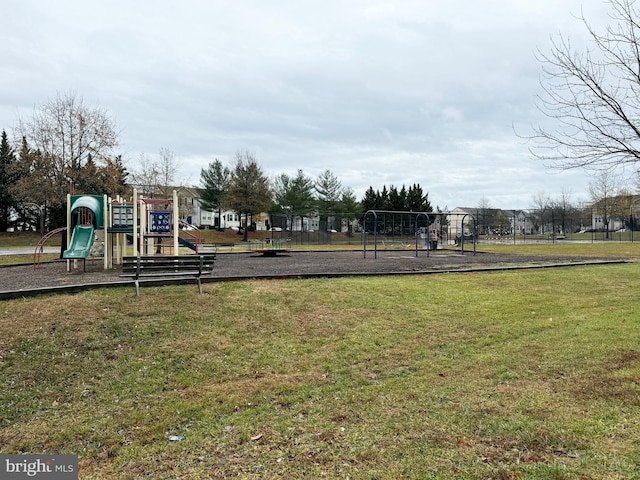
115, 177
34, 185
371, 200
417, 201
412, 200
383, 198
328, 189
397, 199
249, 191
215, 183
86, 178
107, 179
348, 203
294, 196
349, 207
7, 165
403, 198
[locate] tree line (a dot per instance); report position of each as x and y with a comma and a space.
67, 146
244, 188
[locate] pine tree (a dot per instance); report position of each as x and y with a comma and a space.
349, 207
328, 189
417, 201
86, 178
7, 165
215, 183
115, 177
294, 196
249, 191
371, 200
396, 199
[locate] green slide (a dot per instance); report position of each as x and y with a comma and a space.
81, 241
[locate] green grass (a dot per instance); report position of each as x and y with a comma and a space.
598, 249
26, 259
487, 375
24, 239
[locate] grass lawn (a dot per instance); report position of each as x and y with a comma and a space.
502, 375
598, 249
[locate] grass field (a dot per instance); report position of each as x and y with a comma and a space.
598, 249
505, 375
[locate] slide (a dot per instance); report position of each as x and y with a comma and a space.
81, 242
188, 244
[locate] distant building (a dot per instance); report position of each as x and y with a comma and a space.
489, 221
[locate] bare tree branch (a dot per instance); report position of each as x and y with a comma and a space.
592, 97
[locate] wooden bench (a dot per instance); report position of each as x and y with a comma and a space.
167, 266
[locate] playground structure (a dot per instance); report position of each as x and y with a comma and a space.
102, 226
424, 230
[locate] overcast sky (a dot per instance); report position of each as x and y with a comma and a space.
381, 93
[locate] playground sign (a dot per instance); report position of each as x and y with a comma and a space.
160, 222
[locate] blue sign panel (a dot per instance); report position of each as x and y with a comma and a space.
160, 222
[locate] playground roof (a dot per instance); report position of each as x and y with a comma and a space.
92, 202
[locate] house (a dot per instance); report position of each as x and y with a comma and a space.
226, 219
614, 213
489, 221
190, 210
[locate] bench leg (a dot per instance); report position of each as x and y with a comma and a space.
199, 285
137, 282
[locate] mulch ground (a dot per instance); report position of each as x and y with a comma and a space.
54, 277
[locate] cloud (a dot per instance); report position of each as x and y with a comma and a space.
380, 93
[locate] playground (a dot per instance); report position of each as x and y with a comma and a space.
101, 226
102, 234
53, 276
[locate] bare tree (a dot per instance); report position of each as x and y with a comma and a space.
63, 135
541, 215
168, 169
68, 132
603, 189
563, 211
592, 96
484, 213
623, 204
156, 177
147, 175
